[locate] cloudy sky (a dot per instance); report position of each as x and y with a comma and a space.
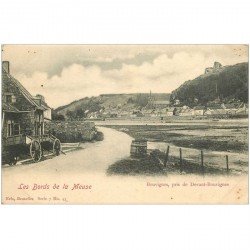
64, 73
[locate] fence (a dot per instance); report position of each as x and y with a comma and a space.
183, 166
201, 161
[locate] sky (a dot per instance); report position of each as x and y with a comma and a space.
64, 73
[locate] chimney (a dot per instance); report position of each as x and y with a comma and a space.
6, 66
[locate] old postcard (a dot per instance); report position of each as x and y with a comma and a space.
124, 124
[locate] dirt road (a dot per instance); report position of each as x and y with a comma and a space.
93, 157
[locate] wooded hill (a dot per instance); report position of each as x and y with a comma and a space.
127, 102
229, 84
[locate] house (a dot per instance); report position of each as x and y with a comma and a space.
124, 114
177, 102
22, 114
136, 113
199, 110
162, 112
231, 108
215, 109
238, 108
170, 111
47, 112
186, 111
177, 111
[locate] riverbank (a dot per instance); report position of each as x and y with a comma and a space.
201, 137
216, 140
153, 165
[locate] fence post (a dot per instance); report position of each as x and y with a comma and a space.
181, 168
227, 163
166, 158
202, 162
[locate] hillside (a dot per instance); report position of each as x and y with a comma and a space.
229, 83
125, 102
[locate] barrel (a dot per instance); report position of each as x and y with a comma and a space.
138, 148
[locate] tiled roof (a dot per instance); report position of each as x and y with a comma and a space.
199, 107
9, 108
24, 91
215, 106
171, 109
186, 110
233, 105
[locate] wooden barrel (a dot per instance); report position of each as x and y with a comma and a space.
138, 148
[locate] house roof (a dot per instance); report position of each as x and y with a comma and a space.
171, 109
163, 102
7, 107
186, 110
45, 105
215, 106
229, 106
24, 91
233, 105
199, 108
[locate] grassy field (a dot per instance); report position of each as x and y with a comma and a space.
216, 139
153, 165
202, 137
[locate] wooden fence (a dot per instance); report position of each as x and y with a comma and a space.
201, 163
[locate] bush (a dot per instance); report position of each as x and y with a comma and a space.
99, 136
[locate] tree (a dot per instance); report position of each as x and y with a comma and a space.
57, 117
141, 100
70, 115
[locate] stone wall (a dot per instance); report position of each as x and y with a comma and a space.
71, 131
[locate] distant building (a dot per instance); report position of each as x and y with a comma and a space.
215, 109
199, 110
213, 69
137, 113
235, 108
177, 102
170, 111
177, 111
186, 111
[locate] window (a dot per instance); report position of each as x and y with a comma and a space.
42, 128
9, 129
8, 98
16, 129
13, 128
13, 99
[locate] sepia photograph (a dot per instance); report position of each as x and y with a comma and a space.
125, 124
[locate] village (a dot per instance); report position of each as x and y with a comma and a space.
163, 110
165, 107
